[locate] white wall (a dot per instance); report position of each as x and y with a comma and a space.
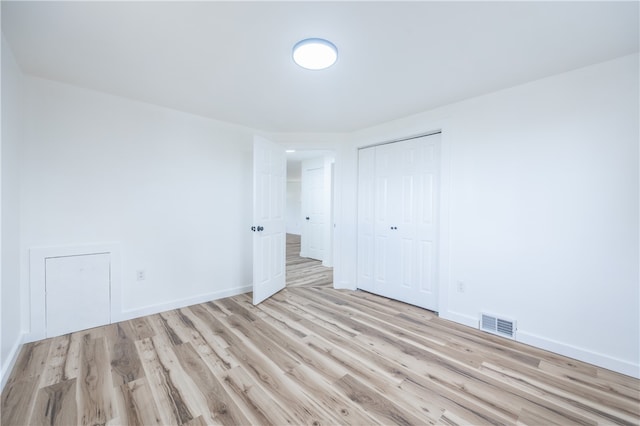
542, 210
11, 323
173, 189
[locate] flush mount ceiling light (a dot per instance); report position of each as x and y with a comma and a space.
315, 53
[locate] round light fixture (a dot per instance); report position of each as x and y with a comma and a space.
315, 53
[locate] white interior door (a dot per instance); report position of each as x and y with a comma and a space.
77, 293
314, 209
269, 237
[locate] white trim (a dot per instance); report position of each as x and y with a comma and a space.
459, 318
176, 304
37, 284
584, 355
444, 237
11, 361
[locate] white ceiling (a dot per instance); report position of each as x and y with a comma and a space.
231, 61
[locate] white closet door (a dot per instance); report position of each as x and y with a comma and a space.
366, 223
417, 230
397, 220
427, 208
405, 230
386, 213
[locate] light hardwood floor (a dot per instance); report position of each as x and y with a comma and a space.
309, 355
305, 271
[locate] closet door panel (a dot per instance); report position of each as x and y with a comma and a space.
425, 271
386, 213
407, 264
426, 227
366, 218
381, 265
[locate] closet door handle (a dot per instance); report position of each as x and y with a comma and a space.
306, 218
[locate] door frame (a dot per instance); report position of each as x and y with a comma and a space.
331, 213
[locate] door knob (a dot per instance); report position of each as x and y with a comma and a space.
253, 228
307, 218
260, 228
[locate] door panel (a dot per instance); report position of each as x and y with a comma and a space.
77, 293
381, 264
427, 228
407, 263
425, 267
269, 191
366, 222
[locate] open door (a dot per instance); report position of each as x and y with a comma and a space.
269, 237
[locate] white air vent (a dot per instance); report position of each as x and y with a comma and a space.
499, 326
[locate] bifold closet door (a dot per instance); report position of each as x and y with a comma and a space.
366, 215
388, 213
397, 220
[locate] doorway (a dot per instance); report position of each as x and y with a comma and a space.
309, 217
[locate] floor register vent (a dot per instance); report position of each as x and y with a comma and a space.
500, 326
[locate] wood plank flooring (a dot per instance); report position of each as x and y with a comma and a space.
305, 271
308, 355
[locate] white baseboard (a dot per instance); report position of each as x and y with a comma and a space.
601, 360
161, 307
176, 304
5, 371
459, 318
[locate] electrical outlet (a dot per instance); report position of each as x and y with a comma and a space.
461, 287
141, 275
